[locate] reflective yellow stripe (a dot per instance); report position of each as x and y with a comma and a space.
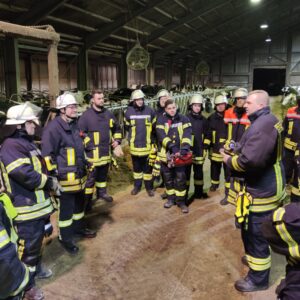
65, 223
206, 141
96, 136
17, 163
137, 175
4, 238
186, 125
165, 141
186, 141
216, 157
215, 181
170, 192
180, 130
198, 160
180, 193
79, 216
117, 135
290, 128
89, 191
160, 127
147, 177
43, 181
284, 234
198, 182
49, 165
99, 161
236, 165
101, 184
296, 191
229, 132
36, 214
71, 156
111, 123
290, 144
227, 185
140, 151
214, 136
259, 264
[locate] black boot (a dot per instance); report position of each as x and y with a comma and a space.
213, 187
105, 197
135, 191
86, 233
247, 285
183, 207
224, 201
164, 195
169, 203
69, 246
42, 272
150, 193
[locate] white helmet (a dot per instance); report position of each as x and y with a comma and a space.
240, 93
137, 94
196, 99
162, 93
19, 114
64, 100
220, 99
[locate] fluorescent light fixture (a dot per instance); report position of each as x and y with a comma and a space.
264, 26
268, 40
255, 1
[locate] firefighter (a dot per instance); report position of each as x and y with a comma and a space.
63, 150
26, 179
257, 159
174, 134
101, 132
139, 122
295, 192
291, 125
281, 230
237, 122
162, 96
199, 131
215, 140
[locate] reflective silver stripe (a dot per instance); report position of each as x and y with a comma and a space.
17, 163
4, 238
133, 117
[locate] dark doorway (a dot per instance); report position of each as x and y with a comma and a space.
270, 80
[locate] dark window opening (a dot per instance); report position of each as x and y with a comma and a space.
270, 80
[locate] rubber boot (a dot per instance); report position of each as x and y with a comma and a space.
42, 272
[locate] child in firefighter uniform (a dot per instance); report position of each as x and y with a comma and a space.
215, 140
282, 231
100, 131
199, 130
174, 134
257, 159
25, 177
63, 150
291, 125
140, 121
295, 192
237, 122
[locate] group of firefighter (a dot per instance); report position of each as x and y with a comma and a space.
71, 162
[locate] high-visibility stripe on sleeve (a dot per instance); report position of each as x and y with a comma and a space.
117, 136
165, 141
4, 238
184, 126
236, 165
78, 216
43, 181
49, 165
186, 141
17, 163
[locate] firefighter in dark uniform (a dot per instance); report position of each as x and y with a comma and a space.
63, 150
282, 232
257, 159
291, 125
101, 132
139, 122
215, 140
174, 134
295, 192
26, 179
237, 122
162, 96
199, 130
13, 273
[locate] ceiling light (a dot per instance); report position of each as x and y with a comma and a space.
255, 1
264, 26
268, 40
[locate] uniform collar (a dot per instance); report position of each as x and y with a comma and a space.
258, 113
66, 126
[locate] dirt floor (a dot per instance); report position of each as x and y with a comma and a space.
144, 251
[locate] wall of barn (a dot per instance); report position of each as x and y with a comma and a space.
237, 69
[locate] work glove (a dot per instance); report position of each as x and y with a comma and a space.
53, 185
48, 229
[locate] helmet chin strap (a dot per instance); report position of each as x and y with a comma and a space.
66, 117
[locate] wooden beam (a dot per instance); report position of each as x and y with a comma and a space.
105, 31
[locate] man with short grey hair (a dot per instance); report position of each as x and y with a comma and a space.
256, 162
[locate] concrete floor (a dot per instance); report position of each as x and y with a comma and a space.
144, 251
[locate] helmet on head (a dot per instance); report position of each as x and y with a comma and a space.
162, 93
220, 99
19, 114
64, 100
137, 94
240, 93
196, 99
